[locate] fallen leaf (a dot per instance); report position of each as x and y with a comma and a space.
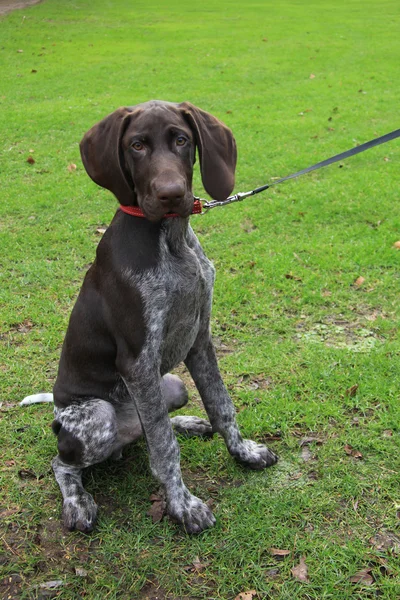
350, 451
101, 230
363, 576
397, 244
158, 508
272, 572
9, 463
80, 572
26, 474
198, 565
246, 595
359, 281
309, 440
312, 76
294, 277
71, 168
279, 552
30, 160
52, 585
300, 572
352, 391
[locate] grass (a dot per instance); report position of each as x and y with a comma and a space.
310, 357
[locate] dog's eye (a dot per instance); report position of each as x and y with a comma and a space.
180, 140
137, 146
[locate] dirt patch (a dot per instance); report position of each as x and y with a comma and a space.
338, 332
7, 6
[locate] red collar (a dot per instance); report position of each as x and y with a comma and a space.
135, 211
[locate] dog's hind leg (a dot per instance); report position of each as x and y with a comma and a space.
175, 396
87, 434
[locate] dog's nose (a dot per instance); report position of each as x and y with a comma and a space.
170, 191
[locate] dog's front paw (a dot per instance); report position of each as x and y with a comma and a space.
190, 512
253, 455
79, 512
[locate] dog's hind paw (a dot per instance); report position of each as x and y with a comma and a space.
79, 512
193, 514
192, 426
253, 455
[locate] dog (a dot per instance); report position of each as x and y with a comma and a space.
144, 307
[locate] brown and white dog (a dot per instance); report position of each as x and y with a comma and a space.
144, 307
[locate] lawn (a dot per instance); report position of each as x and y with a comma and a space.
306, 306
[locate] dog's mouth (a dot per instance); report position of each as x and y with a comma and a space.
154, 211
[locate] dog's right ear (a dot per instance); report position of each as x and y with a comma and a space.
102, 155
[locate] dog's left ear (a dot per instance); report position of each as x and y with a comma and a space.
217, 151
102, 155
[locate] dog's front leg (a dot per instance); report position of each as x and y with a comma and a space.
144, 387
202, 364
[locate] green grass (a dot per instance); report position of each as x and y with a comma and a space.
294, 332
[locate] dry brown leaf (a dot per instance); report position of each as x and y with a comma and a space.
198, 565
300, 572
279, 552
27, 474
350, 451
352, 391
359, 281
71, 168
363, 576
397, 244
312, 76
101, 230
246, 595
30, 160
294, 277
158, 508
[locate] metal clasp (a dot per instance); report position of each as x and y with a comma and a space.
235, 198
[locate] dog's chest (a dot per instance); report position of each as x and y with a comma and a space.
188, 297
178, 301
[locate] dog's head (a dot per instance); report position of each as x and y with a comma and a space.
145, 154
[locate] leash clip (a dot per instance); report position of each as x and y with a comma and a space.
230, 200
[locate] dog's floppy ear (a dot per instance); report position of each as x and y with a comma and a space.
102, 155
217, 151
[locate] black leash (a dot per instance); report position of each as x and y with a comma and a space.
324, 163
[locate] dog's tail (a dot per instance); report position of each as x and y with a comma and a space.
37, 398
